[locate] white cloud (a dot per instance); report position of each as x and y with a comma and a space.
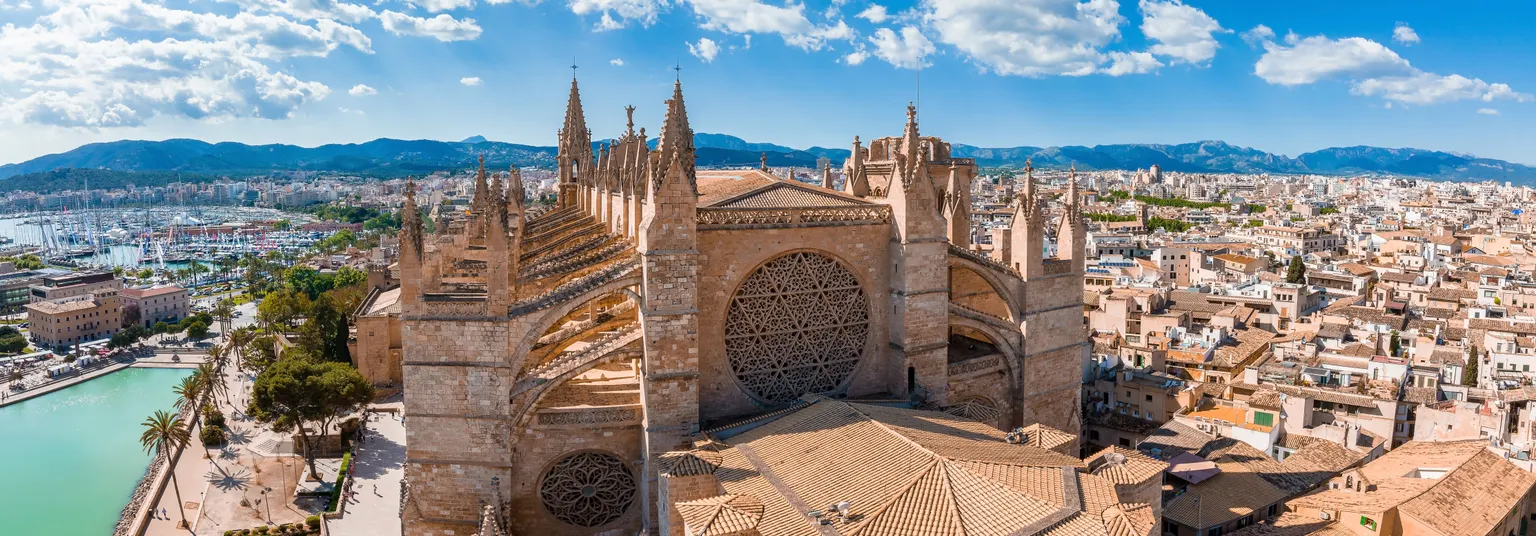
21, 5
1429, 88
361, 90
1373, 70
1259, 35
756, 17
346, 110
706, 50
1123, 63
907, 50
442, 27
617, 14
616, 62
1317, 58
470, 81
1487, 111
874, 13
1028, 37
1404, 34
434, 6
856, 57
1180, 32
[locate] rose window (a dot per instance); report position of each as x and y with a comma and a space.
588, 489
796, 326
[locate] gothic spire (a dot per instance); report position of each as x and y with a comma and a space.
410, 217
910, 138
574, 136
1072, 196
480, 188
515, 191
676, 141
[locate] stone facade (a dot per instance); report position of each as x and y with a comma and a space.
552, 358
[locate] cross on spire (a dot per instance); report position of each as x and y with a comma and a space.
677, 67
573, 68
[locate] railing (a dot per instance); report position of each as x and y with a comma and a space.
733, 218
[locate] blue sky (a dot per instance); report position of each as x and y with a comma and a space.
1285, 77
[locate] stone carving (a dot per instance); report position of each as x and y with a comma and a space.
748, 218
576, 287
588, 489
974, 365
601, 416
796, 326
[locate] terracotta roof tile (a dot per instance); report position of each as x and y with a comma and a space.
1474, 498
721, 515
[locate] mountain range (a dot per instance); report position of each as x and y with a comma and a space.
387, 157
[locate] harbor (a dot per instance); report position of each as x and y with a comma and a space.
165, 239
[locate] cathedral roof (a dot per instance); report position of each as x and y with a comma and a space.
752, 188
721, 515
907, 471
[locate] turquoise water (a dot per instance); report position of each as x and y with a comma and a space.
70, 459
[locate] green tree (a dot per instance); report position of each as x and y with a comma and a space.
1296, 273
348, 276
127, 337
145, 273
282, 225
1469, 372
293, 393
197, 329
213, 385
11, 340
161, 328
261, 352
163, 434
280, 308
1396, 346
325, 331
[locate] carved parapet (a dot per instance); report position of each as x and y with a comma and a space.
586, 417
987, 363
453, 304
1058, 266
738, 218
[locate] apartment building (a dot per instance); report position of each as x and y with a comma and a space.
67, 321
146, 306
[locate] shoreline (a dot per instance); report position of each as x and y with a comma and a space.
82, 378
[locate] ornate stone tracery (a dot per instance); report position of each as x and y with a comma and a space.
797, 325
588, 489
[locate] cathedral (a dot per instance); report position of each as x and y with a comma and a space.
673, 350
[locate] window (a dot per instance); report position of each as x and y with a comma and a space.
1125, 442
1149, 398
1263, 418
1274, 509
1093, 435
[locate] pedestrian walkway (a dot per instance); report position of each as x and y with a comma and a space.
378, 467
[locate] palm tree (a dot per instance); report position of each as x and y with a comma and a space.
187, 391
224, 312
238, 340
163, 433
208, 376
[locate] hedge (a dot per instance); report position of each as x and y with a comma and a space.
341, 480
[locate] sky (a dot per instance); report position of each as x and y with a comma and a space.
1285, 77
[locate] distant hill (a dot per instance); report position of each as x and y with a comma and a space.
386, 157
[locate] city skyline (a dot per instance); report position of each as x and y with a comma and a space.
1283, 79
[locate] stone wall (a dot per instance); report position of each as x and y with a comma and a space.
456, 394
727, 257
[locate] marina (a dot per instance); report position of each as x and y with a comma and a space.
158, 238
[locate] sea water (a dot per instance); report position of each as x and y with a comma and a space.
70, 459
